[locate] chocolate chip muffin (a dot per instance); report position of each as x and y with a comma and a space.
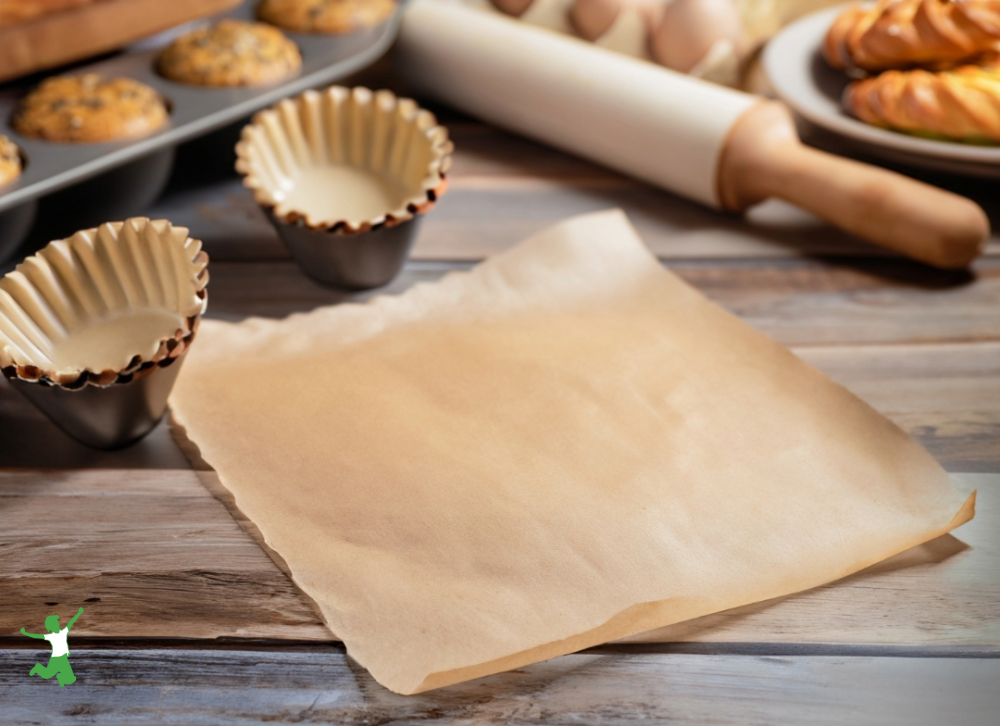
10, 161
230, 53
90, 108
325, 16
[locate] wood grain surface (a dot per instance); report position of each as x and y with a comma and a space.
928, 359
503, 188
323, 685
151, 554
189, 620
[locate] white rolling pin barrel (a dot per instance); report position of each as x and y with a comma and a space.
665, 128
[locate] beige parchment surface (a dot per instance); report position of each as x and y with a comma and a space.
564, 446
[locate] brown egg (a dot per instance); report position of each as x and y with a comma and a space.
512, 7
689, 28
592, 18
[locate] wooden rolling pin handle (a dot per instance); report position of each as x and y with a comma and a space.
764, 158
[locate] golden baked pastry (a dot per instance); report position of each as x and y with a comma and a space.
230, 53
325, 16
90, 108
906, 33
962, 103
10, 161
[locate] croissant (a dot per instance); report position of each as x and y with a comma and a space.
903, 33
962, 103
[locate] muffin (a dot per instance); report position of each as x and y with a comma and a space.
10, 161
90, 108
325, 16
230, 53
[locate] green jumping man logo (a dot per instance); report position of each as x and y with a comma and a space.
59, 662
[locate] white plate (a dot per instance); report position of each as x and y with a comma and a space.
802, 79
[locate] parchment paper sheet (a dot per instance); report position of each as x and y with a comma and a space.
564, 446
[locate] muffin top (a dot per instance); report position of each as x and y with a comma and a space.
90, 108
230, 53
325, 16
10, 160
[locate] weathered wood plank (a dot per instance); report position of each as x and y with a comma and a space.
484, 213
481, 216
504, 188
817, 304
946, 591
28, 439
945, 396
243, 687
146, 552
938, 593
165, 559
798, 305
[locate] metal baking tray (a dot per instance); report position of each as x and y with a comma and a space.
131, 173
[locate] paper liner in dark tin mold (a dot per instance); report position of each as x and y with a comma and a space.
97, 280
345, 176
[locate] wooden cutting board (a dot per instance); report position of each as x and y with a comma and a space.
81, 31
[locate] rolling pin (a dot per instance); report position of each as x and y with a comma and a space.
723, 148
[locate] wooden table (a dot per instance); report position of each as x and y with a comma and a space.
187, 620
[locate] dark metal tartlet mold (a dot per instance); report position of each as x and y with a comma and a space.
349, 261
111, 417
390, 142
108, 408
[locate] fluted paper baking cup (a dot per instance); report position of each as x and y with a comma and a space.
103, 307
345, 160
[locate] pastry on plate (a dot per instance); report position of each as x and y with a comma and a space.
90, 108
230, 53
325, 16
906, 33
10, 161
962, 103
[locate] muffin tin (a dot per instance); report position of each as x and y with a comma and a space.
130, 173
